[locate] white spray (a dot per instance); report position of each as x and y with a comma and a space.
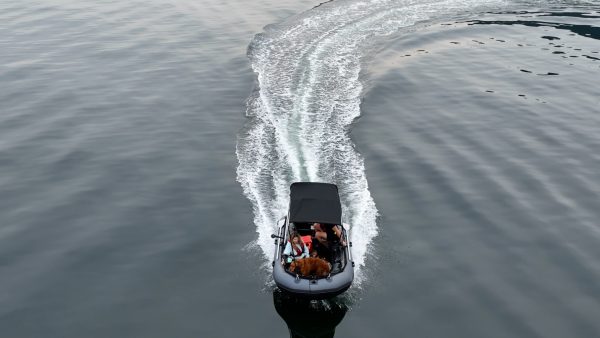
308, 95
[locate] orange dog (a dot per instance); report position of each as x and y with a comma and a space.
311, 266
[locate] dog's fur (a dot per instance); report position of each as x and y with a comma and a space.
311, 266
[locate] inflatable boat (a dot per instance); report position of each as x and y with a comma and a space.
314, 205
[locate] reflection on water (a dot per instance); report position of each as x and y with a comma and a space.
582, 30
309, 319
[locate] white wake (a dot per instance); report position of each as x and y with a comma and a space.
307, 95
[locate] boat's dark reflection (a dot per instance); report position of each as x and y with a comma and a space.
309, 319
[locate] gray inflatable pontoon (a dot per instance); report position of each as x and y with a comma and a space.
313, 203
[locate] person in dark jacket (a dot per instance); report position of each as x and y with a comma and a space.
327, 240
328, 233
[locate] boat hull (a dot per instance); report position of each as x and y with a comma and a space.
320, 288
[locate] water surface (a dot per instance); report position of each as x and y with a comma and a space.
470, 179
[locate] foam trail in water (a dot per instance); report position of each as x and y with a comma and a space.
308, 94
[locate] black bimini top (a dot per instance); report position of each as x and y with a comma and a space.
315, 202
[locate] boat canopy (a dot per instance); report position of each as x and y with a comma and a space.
315, 202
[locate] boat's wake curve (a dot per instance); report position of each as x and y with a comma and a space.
307, 95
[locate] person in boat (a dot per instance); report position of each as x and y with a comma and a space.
325, 234
295, 249
327, 240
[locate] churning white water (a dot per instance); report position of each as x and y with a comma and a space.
307, 95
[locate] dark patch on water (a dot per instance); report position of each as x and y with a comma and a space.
306, 318
322, 3
582, 30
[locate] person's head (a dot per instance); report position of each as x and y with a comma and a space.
297, 240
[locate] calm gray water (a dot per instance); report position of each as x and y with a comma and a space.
146, 149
